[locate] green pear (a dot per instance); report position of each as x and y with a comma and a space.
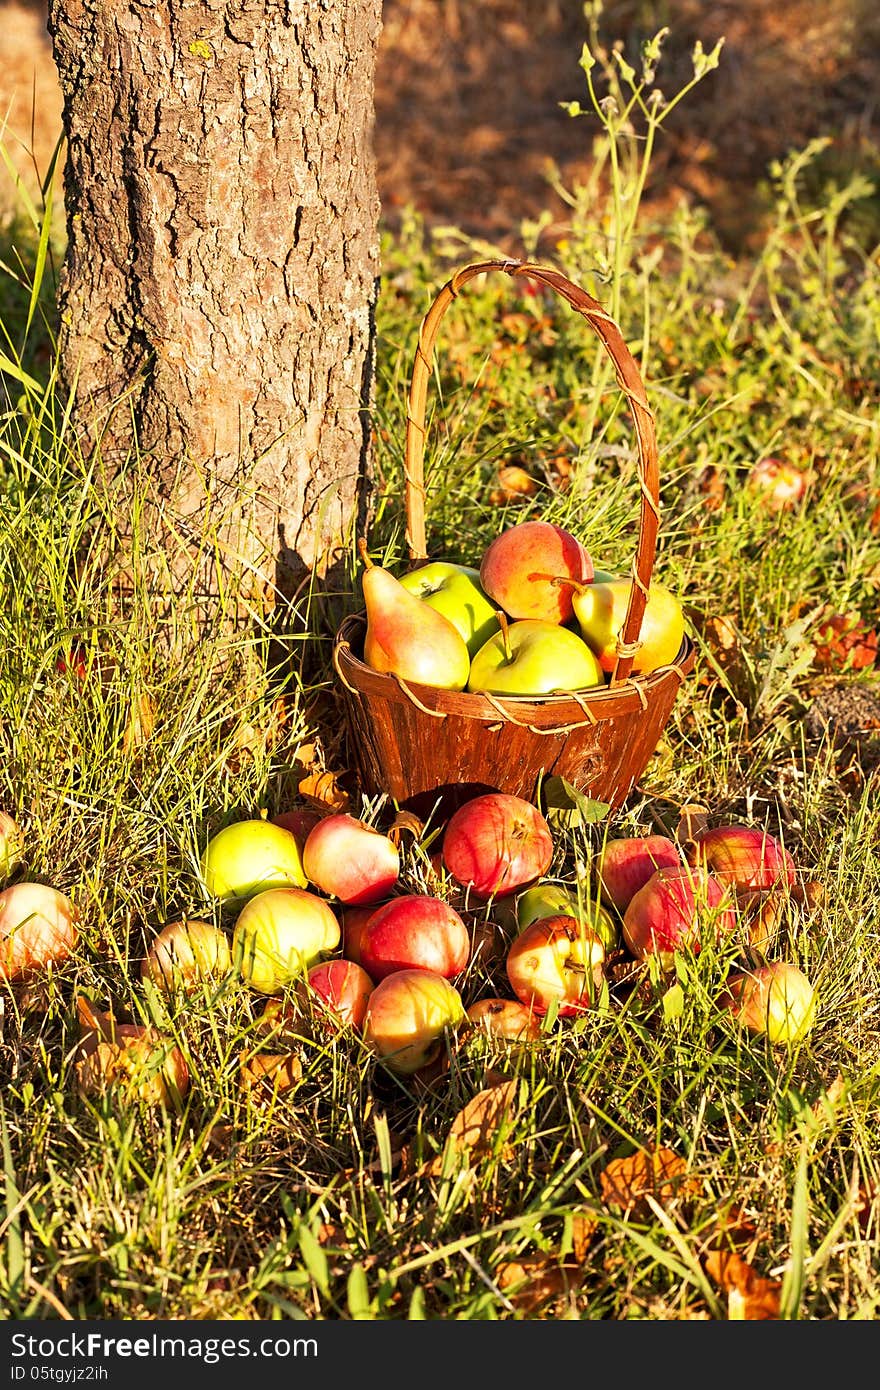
600, 609
406, 637
533, 657
454, 591
546, 899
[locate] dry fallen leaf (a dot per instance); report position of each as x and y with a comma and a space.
263, 1076
475, 1130
515, 482
405, 821
844, 642
750, 1297
658, 1173
322, 791
531, 1282
692, 821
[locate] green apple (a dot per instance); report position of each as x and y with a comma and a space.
550, 899
534, 657
454, 591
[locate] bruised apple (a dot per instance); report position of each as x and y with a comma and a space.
509, 1019
497, 843
556, 959
547, 899
415, 931
409, 1015
677, 908
350, 860
279, 934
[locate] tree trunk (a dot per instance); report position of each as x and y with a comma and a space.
218, 288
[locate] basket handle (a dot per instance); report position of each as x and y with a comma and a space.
630, 382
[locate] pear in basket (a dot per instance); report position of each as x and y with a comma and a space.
600, 609
406, 637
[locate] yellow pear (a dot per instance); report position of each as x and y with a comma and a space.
600, 609
408, 638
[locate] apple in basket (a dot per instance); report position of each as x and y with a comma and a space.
454, 591
519, 566
534, 658
497, 843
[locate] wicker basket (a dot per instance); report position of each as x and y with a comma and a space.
433, 749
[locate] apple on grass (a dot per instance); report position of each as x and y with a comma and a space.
497, 843
454, 591
518, 568
776, 999
677, 909
38, 928
340, 990
749, 860
556, 959
546, 899
415, 931
533, 657
350, 860
279, 934
249, 856
626, 863
409, 1015
185, 955
509, 1019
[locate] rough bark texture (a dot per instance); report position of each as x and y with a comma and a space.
220, 275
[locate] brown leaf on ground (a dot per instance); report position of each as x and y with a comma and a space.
693, 820
405, 821
534, 1280
583, 1227
659, 1173
515, 482
734, 1231
762, 916
750, 1297
844, 642
475, 1131
323, 792
263, 1076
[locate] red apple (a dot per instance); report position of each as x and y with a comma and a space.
353, 921
556, 958
775, 998
750, 860
409, 1014
38, 926
675, 909
506, 1018
350, 860
416, 932
626, 863
519, 566
342, 990
299, 820
496, 844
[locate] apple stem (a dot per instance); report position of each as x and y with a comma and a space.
559, 581
505, 633
362, 551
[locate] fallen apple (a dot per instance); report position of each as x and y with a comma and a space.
776, 999
547, 899
677, 909
409, 1016
556, 959
625, 864
454, 591
138, 1064
279, 934
38, 928
249, 856
533, 658
340, 990
187, 954
750, 860
518, 567
509, 1019
415, 931
299, 820
350, 860
497, 843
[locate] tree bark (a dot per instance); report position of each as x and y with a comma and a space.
219, 281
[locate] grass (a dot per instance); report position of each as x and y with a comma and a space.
342, 1196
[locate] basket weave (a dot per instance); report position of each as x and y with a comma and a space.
429, 748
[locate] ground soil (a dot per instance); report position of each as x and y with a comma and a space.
468, 93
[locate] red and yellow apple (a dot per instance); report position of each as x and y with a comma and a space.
509, 1019
279, 934
185, 954
497, 843
415, 931
677, 909
776, 999
38, 928
518, 568
625, 864
409, 1015
749, 860
341, 991
546, 899
350, 860
556, 959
